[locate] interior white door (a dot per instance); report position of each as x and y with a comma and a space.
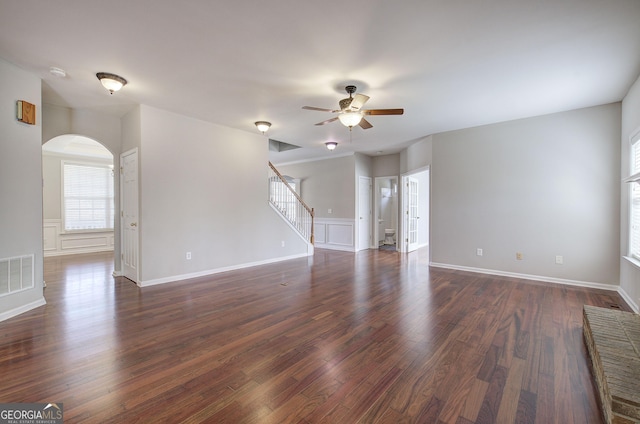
412, 213
129, 213
364, 213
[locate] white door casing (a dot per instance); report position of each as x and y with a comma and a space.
129, 223
411, 213
364, 213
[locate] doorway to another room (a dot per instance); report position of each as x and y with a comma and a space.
386, 228
414, 225
78, 197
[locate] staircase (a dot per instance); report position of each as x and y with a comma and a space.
288, 203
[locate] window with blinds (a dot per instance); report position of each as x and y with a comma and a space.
87, 197
634, 239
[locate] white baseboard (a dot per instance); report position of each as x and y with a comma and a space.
530, 277
22, 309
176, 278
335, 247
628, 299
77, 251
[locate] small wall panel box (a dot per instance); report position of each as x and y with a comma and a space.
26, 112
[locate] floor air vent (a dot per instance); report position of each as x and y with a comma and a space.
16, 274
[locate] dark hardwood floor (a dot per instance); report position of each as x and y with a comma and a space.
372, 337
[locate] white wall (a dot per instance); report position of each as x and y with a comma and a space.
104, 128
204, 190
20, 183
326, 184
417, 156
629, 272
386, 165
56, 120
543, 186
51, 187
131, 131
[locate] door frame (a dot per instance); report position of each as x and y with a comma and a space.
409, 207
360, 215
135, 277
401, 241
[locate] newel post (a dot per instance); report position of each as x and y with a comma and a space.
312, 216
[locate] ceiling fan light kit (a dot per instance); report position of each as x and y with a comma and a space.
351, 113
350, 118
111, 82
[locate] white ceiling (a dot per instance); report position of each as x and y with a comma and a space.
450, 64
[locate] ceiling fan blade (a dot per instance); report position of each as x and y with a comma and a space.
318, 109
364, 124
383, 112
327, 121
358, 101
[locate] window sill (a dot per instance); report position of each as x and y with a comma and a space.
86, 231
635, 178
633, 261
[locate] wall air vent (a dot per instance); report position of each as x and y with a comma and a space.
16, 274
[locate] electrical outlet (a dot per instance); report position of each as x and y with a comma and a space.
329, 210
188, 256
519, 256
559, 260
479, 252
282, 243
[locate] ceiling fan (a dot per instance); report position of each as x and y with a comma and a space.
351, 113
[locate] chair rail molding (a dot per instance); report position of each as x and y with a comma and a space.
57, 242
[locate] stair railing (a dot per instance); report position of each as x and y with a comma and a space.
290, 205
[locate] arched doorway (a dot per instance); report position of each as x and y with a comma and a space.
78, 196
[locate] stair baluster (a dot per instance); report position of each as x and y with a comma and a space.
285, 199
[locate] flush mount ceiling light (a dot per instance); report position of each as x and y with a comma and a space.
331, 145
350, 118
111, 82
263, 126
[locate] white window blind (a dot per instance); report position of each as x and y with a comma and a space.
88, 197
634, 239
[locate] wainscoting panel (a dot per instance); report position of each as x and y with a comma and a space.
56, 242
320, 231
84, 242
337, 234
50, 232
